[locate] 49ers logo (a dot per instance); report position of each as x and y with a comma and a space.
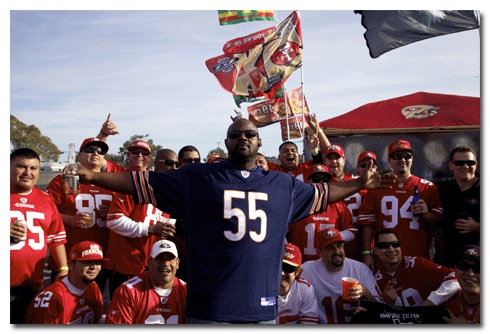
286, 53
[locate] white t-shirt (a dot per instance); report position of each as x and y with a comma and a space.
299, 305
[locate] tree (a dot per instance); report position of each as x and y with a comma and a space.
29, 136
219, 151
122, 156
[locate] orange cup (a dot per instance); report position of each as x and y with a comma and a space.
347, 284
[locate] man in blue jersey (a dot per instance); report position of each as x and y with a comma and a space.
235, 216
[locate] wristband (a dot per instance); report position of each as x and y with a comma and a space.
367, 252
63, 268
314, 151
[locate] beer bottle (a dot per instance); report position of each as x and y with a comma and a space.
70, 181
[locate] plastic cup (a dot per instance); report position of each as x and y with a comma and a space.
347, 284
89, 222
171, 221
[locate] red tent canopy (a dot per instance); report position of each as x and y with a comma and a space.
419, 112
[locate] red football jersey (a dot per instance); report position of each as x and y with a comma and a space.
353, 249
62, 303
88, 200
460, 308
302, 233
414, 280
392, 209
44, 229
297, 172
129, 255
137, 302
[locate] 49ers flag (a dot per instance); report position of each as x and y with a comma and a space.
259, 64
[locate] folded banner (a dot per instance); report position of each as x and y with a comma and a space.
259, 64
295, 128
381, 313
227, 17
295, 100
389, 29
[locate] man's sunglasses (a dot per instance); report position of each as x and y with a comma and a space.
364, 165
169, 162
92, 149
143, 152
191, 160
399, 156
287, 268
319, 179
235, 134
465, 266
387, 244
460, 163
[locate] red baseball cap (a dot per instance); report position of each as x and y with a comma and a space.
139, 144
366, 155
86, 251
292, 255
335, 149
399, 145
94, 141
317, 169
327, 237
215, 158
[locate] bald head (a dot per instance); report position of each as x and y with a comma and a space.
165, 159
243, 142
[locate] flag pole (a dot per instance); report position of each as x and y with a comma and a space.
303, 132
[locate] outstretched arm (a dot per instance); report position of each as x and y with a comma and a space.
118, 182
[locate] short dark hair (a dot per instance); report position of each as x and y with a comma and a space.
287, 142
24, 153
187, 148
385, 231
461, 149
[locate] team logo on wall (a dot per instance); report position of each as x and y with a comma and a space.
419, 111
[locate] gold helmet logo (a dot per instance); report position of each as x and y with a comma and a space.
419, 111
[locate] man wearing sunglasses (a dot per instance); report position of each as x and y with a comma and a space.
338, 216
296, 303
393, 209
189, 155
410, 280
166, 159
133, 228
84, 215
326, 273
460, 199
235, 216
464, 307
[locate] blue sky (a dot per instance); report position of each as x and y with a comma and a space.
70, 69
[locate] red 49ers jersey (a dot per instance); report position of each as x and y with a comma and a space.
88, 200
392, 209
129, 255
62, 303
302, 233
414, 280
460, 308
44, 229
136, 302
297, 172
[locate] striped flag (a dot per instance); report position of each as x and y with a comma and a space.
227, 17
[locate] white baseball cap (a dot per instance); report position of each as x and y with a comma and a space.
163, 246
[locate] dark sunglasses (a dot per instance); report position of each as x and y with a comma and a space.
235, 134
386, 244
92, 149
460, 163
363, 165
399, 156
465, 266
319, 179
191, 160
287, 268
170, 162
143, 152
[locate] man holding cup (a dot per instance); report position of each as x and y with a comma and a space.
133, 228
332, 273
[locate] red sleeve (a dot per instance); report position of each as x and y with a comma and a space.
56, 234
121, 205
55, 190
367, 211
120, 310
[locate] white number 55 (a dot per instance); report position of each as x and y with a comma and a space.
253, 214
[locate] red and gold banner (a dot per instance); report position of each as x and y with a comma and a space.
295, 128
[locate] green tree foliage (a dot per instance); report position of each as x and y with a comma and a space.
29, 136
121, 157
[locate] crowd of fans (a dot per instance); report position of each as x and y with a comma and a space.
115, 232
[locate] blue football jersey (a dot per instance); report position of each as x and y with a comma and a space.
235, 224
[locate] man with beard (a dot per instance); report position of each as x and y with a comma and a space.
75, 298
235, 216
155, 296
326, 273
